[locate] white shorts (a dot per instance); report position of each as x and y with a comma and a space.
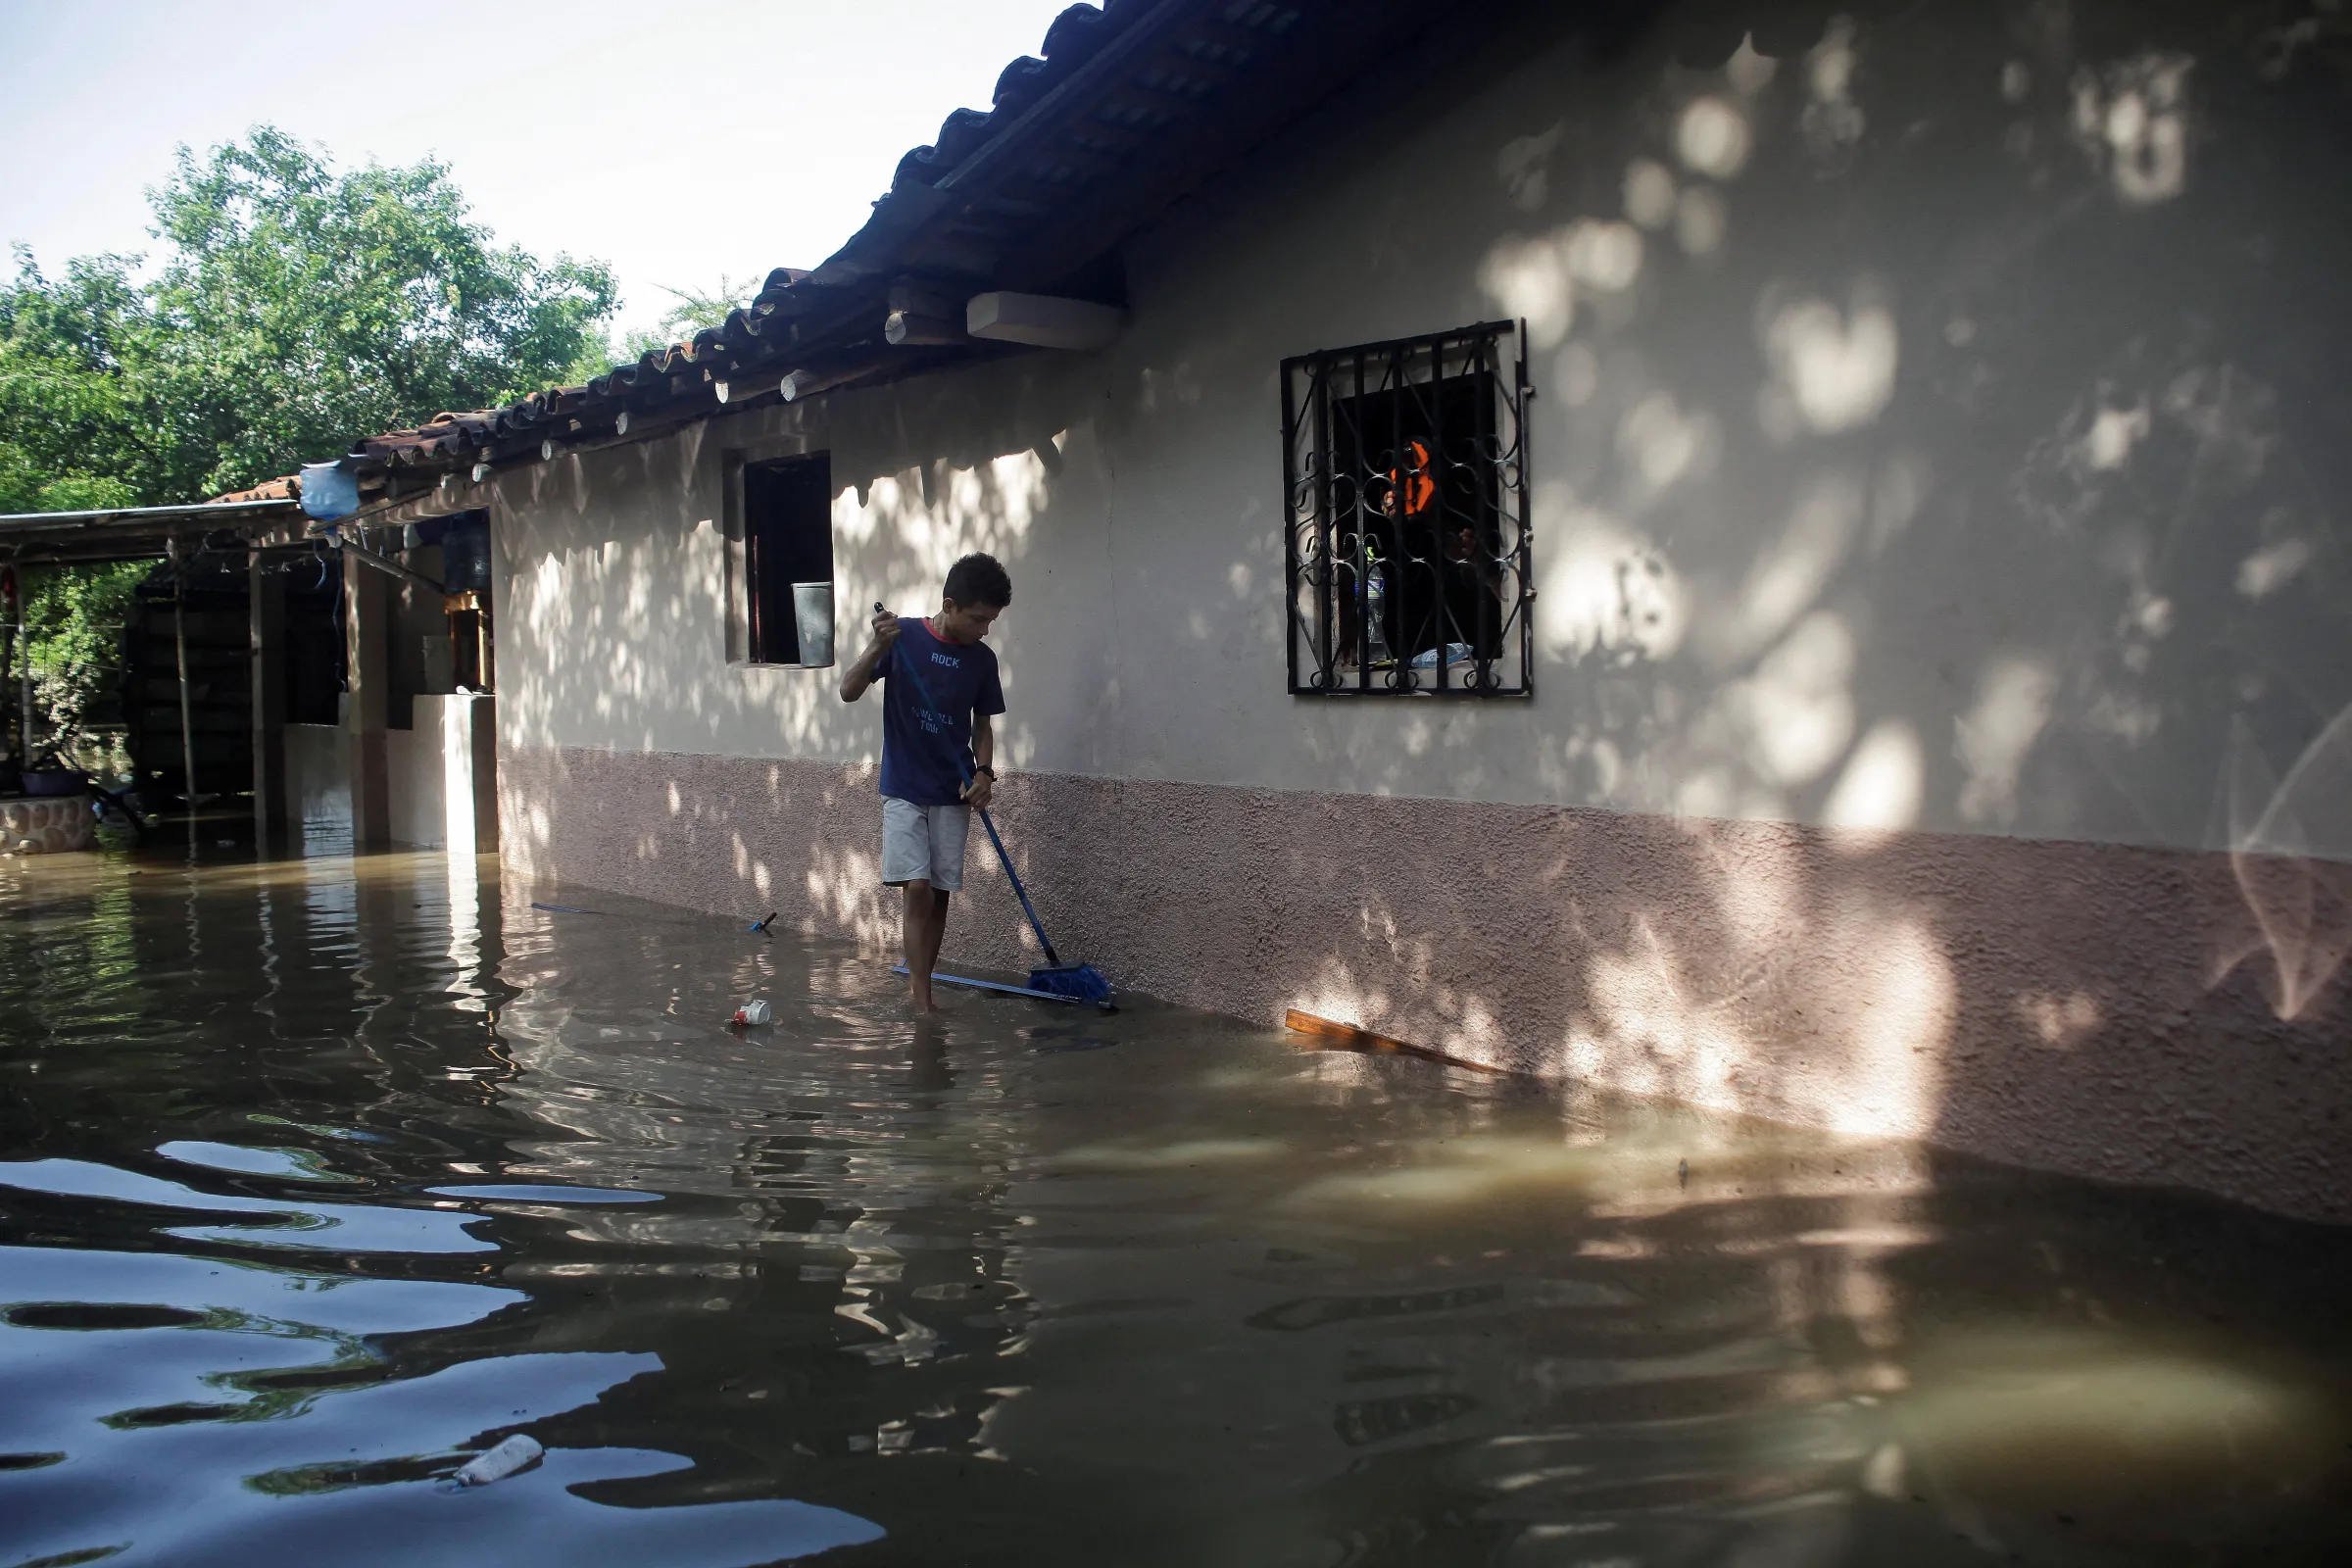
924, 842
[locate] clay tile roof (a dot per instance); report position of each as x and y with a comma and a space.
1125, 109
286, 488
447, 436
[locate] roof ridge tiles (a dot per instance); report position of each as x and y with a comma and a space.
962, 238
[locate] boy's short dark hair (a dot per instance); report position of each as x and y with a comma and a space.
979, 579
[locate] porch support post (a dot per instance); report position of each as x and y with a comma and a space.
266, 597
366, 615
180, 649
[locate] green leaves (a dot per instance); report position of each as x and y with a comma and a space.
298, 306
73, 617
66, 391
305, 308
691, 310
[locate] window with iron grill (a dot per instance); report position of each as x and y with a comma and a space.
1406, 544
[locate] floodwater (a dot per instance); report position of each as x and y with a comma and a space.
318, 1177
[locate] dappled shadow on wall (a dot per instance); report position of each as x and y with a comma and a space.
616, 584
1834, 526
1873, 499
1869, 497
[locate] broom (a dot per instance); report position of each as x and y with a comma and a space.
1080, 982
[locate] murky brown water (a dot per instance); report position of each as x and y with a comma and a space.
316, 1178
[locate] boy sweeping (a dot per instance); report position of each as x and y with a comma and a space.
926, 806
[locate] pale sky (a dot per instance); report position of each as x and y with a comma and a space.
676, 139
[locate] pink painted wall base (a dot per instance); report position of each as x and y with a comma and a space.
2132, 1014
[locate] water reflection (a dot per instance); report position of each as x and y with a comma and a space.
316, 1179
328, 1227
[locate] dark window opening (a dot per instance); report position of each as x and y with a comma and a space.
465, 541
473, 657
313, 652
1407, 542
788, 544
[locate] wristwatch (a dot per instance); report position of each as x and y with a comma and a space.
985, 768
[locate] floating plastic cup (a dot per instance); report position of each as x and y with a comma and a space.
753, 1011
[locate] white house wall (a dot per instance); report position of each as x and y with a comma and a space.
1944, 633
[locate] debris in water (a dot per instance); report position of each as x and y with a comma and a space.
348, 1134
496, 1465
1882, 1472
753, 1011
485, 1191
762, 923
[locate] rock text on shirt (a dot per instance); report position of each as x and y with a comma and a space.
935, 723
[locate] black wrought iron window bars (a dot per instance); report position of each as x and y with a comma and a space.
1405, 544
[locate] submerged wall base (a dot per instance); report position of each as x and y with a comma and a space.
2132, 1014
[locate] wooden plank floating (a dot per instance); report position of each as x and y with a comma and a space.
1331, 1035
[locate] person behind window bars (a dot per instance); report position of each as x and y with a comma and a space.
926, 807
1426, 579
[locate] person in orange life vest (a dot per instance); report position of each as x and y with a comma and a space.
927, 751
1408, 559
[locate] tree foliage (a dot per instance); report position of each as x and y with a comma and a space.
302, 308
296, 305
68, 424
73, 618
691, 310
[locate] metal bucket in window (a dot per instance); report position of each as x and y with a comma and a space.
813, 615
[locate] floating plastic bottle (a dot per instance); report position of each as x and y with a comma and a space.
496, 1465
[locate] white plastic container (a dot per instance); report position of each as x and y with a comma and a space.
500, 1463
813, 619
753, 1011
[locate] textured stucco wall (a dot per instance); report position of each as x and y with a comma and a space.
441, 774
415, 786
1944, 638
2128, 1013
1942, 425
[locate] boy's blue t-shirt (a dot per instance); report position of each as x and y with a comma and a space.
921, 741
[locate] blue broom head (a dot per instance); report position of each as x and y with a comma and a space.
1081, 980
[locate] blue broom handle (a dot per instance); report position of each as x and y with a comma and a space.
963, 770
1027, 909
